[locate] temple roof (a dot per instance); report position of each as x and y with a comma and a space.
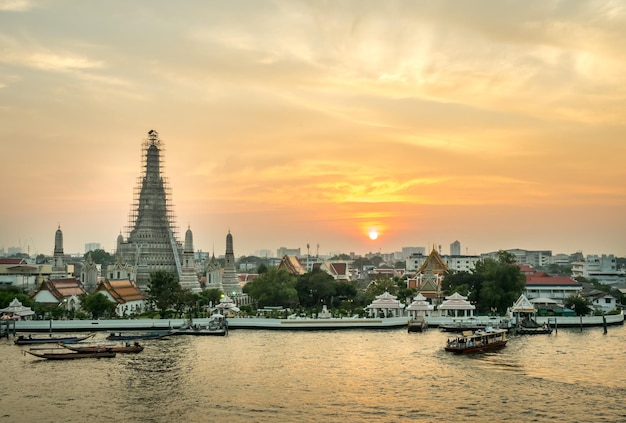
292, 265
63, 288
522, 305
420, 304
456, 301
385, 301
433, 264
16, 307
122, 290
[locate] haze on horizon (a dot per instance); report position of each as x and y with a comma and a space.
497, 124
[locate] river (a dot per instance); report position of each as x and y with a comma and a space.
325, 376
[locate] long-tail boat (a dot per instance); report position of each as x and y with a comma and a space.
124, 348
30, 340
57, 354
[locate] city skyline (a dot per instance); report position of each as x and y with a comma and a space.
293, 123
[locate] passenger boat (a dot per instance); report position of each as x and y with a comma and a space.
213, 328
480, 340
63, 354
120, 336
22, 340
123, 349
474, 324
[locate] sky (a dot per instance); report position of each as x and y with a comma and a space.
499, 124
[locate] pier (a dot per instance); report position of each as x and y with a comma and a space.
7, 327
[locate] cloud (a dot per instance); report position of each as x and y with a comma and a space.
16, 5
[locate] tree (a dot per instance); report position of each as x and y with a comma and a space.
9, 293
163, 291
465, 283
580, 305
315, 287
98, 305
100, 256
184, 300
211, 296
382, 284
276, 287
502, 283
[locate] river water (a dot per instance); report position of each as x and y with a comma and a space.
325, 376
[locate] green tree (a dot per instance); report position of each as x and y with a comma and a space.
184, 301
100, 256
276, 287
315, 287
580, 305
163, 291
465, 283
211, 296
382, 284
9, 293
379, 286
98, 305
502, 283
262, 269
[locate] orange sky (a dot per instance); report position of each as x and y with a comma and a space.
495, 124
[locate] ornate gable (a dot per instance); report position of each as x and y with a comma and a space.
433, 264
292, 265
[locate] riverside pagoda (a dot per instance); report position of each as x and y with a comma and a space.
152, 243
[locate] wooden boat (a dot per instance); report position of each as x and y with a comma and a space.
120, 336
417, 325
201, 332
477, 341
22, 340
531, 327
57, 354
123, 349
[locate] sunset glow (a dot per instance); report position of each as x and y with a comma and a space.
330, 123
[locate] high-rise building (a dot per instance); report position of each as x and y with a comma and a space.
151, 243
455, 248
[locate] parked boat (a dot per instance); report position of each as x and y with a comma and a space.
417, 325
473, 324
121, 336
524, 313
123, 348
64, 354
22, 340
476, 341
215, 327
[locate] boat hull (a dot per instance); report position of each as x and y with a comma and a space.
471, 350
72, 355
50, 340
133, 349
201, 332
136, 337
416, 326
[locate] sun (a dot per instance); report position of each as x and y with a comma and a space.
373, 234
